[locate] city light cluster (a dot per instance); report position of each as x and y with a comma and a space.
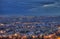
29, 27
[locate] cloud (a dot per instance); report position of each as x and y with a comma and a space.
46, 8
51, 5
48, 5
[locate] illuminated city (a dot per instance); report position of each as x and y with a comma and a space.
29, 19
30, 27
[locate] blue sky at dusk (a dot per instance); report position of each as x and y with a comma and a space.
30, 7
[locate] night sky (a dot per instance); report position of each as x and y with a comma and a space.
30, 7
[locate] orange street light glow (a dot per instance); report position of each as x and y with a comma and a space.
58, 38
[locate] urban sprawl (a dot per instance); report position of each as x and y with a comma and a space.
30, 27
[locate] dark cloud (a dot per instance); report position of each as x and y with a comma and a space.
29, 7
